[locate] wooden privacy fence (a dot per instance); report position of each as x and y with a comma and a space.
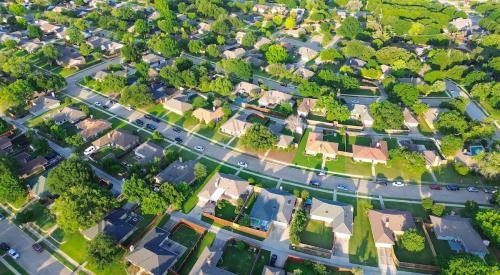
239, 227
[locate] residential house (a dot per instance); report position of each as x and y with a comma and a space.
272, 207
336, 215
284, 141
259, 8
432, 115
461, 23
178, 105
239, 37
9, 36
235, 127
271, 270
246, 88
5, 145
236, 53
460, 234
262, 41
43, 104
154, 60
296, 124
30, 166
119, 224
69, 57
306, 106
68, 114
432, 159
119, 138
148, 151
105, 45
207, 116
31, 47
100, 75
387, 225
409, 119
296, 33
91, 128
271, 99
362, 113
355, 63
307, 54
279, 9
299, 14
316, 145
225, 187
47, 27
304, 73
204, 27
177, 172
376, 154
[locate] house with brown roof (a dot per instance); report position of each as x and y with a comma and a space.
336, 215
409, 119
177, 172
362, 113
207, 116
306, 106
271, 99
376, 154
47, 27
431, 116
387, 225
316, 145
91, 128
261, 42
296, 124
31, 167
284, 141
432, 159
153, 60
307, 54
246, 88
42, 104
68, 114
178, 105
224, 187
5, 145
119, 138
236, 53
235, 127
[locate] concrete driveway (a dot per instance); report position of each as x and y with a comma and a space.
33, 262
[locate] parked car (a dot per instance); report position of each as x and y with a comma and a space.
178, 140
177, 129
472, 189
343, 187
315, 182
4, 247
435, 187
37, 247
90, 150
105, 107
381, 182
452, 187
129, 108
151, 127
139, 122
242, 164
398, 184
490, 190
2, 217
13, 253
153, 118
199, 148
274, 257
322, 173
98, 104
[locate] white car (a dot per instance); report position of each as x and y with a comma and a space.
398, 184
98, 104
14, 254
472, 189
242, 164
343, 187
199, 148
90, 150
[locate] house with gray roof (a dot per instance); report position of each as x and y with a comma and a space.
148, 151
68, 114
119, 224
42, 104
177, 172
336, 215
272, 206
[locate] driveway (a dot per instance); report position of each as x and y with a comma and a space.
385, 261
341, 247
279, 237
32, 262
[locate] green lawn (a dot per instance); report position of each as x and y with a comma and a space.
42, 216
157, 110
117, 267
351, 140
347, 165
306, 268
320, 194
207, 241
423, 257
15, 265
317, 234
399, 171
259, 120
447, 173
415, 209
226, 212
266, 183
4, 270
494, 113
19, 203
423, 127
362, 248
185, 235
214, 134
305, 160
264, 258
443, 249
75, 246
238, 260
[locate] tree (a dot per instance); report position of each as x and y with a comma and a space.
407, 93
489, 222
137, 95
74, 35
238, 68
248, 40
141, 26
489, 164
50, 53
85, 49
334, 109
290, 23
458, 103
310, 89
330, 54
200, 171
319, 268
438, 209
304, 194
34, 32
276, 54
451, 144
11, 188
427, 203
386, 116
130, 53
222, 86
165, 45
162, 7
212, 50
413, 241
75, 140
461, 168
73, 171
258, 137
451, 122
468, 264
112, 84
470, 209
102, 251
298, 225
350, 28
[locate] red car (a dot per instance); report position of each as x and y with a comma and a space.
435, 187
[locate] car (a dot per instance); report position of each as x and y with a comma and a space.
452, 187
4, 247
199, 148
490, 190
242, 164
129, 108
284, 84
90, 150
435, 187
13, 253
155, 119
148, 116
315, 182
98, 104
178, 140
343, 187
2, 217
105, 106
381, 182
177, 129
151, 127
322, 173
472, 189
139, 122
37, 247
274, 257
398, 184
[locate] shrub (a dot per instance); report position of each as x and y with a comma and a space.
427, 203
438, 209
461, 168
413, 241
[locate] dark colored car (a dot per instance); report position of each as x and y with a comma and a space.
177, 129
435, 187
153, 118
274, 257
284, 84
381, 182
151, 127
452, 187
490, 190
314, 182
139, 122
178, 140
4, 247
37, 247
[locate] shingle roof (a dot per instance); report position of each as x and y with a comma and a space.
177, 172
384, 222
379, 153
340, 213
91, 127
232, 185
273, 205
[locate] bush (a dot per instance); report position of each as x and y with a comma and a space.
427, 203
438, 209
461, 169
413, 241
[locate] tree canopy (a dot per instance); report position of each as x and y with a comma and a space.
413, 241
276, 54
386, 115
71, 172
259, 137
102, 251
11, 188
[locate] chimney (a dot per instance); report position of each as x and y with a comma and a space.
387, 222
180, 159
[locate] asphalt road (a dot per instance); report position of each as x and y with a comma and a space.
33, 262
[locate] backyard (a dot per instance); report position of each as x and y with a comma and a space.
225, 210
423, 257
317, 234
238, 258
207, 241
307, 268
185, 235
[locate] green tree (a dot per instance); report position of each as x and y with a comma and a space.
258, 137
130, 53
335, 111
50, 53
141, 26
162, 7
451, 122
298, 225
238, 68
406, 93
427, 203
74, 35
248, 40
488, 221
470, 210
200, 171
212, 50
350, 28
112, 84
222, 86
75, 140
290, 23
276, 54
468, 264
413, 241
165, 45
102, 251
11, 188
489, 164
34, 32
137, 95
85, 49
330, 54
386, 115
451, 144
71, 172
461, 168
438, 209
195, 46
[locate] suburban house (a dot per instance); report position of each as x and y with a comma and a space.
5, 145
295, 32
262, 41
69, 57
91, 128
204, 27
284, 141
119, 224
235, 127
336, 215
432, 159
225, 187
460, 234
31, 47
47, 27
153, 60
387, 225
42, 104
273, 98
246, 88
68, 114
307, 54
304, 73
296, 124
156, 253
272, 206
431, 116
100, 75
177, 172
239, 37
409, 119
30, 166
148, 151
376, 154
177, 105
361, 112
461, 23
207, 116
306, 106
118, 138
236, 53
260, 8
316, 145
105, 45
271, 270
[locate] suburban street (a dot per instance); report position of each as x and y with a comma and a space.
268, 167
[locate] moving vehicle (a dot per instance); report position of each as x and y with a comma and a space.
452, 187
199, 148
178, 140
13, 253
151, 127
90, 150
139, 122
398, 184
242, 164
37, 247
435, 187
343, 187
472, 189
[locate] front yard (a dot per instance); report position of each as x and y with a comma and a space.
317, 234
39, 214
362, 248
